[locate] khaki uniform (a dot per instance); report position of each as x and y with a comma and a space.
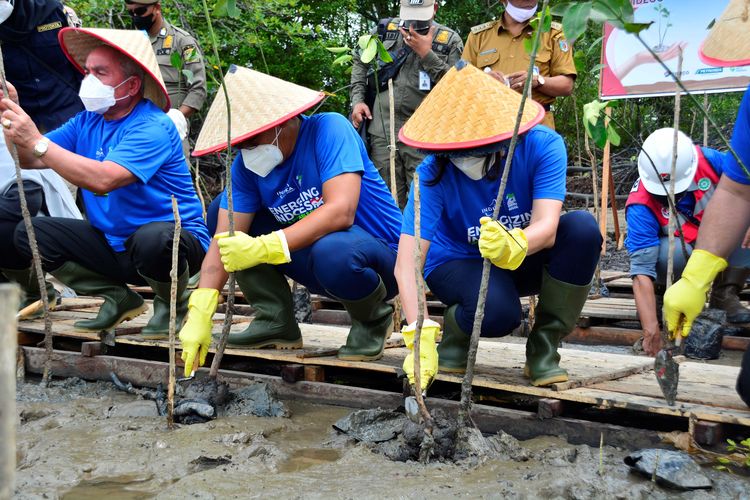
492, 46
171, 39
412, 83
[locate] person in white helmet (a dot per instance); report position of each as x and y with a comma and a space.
647, 212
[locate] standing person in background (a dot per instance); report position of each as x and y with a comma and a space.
497, 48
186, 96
647, 213
422, 52
46, 82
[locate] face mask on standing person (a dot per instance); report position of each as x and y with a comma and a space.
141, 22
98, 97
6, 9
519, 14
263, 158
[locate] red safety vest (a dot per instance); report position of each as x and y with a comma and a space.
703, 185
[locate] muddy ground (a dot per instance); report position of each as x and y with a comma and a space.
80, 440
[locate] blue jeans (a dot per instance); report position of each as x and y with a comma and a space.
345, 265
571, 260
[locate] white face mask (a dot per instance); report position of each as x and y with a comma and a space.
263, 158
96, 96
471, 166
519, 14
6, 9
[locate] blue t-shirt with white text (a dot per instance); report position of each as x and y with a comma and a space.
146, 143
451, 209
327, 146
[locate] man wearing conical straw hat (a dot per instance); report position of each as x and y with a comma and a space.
310, 205
126, 156
466, 123
727, 216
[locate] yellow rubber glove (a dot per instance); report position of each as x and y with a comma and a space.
241, 251
505, 249
684, 300
428, 355
195, 336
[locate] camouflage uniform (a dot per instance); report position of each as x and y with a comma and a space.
412, 83
491, 45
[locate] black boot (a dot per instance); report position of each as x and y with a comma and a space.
372, 322
274, 325
26, 279
120, 302
158, 325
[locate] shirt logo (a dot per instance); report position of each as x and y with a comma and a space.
665, 212
306, 202
285, 192
510, 201
704, 184
564, 45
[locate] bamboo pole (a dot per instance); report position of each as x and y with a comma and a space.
36, 259
173, 311
8, 333
394, 189
464, 414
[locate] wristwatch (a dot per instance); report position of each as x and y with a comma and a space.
540, 80
41, 146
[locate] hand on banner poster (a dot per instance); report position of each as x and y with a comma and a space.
645, 57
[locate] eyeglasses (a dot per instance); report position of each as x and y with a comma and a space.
138, 11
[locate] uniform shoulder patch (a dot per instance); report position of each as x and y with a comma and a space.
443, 36
392, 26
482, 27
190, 54
168, 40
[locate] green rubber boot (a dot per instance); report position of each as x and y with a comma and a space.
158, 325
372, 321
559, 306
26, 279
274, 325
120, 302
453, 350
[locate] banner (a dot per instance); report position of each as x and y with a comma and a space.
631, 71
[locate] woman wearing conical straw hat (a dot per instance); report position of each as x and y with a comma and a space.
727, 215
466, 123
310, 205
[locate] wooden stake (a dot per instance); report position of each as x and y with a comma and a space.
8, 307
606, 176
613, 205
705, 121
394, 190
673, 220
35, 257
464, 413
173, 311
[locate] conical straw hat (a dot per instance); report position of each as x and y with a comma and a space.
728, 43
467, 109
77, 43
259, 102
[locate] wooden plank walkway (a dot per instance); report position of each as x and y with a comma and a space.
606, 380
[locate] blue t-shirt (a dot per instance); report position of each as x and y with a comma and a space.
451, 209
147, 144
740, 143
327, 145
643, 227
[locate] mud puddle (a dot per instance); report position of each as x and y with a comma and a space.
86, 440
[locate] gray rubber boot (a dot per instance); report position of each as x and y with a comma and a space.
372, 322
120, 302
274, 325
26, 279
158, 325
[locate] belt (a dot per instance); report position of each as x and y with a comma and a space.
546, 107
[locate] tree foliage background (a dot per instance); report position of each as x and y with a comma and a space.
288, 39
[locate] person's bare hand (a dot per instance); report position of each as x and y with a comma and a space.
13, 93
518, 79
18, 126
652, 342
420, 44
498, 76
360, 112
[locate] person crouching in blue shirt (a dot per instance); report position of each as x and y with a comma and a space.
126, 156
697, 174
533, 249
310, 205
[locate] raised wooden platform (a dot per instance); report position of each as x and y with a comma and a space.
602, 380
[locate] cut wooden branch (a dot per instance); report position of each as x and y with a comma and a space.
173, 310
606, 176
36, 259
394, 189
466, 385
8, 417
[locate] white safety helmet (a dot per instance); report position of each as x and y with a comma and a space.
658, 146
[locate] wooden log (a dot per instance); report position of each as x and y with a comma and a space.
90, 349
8, 307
